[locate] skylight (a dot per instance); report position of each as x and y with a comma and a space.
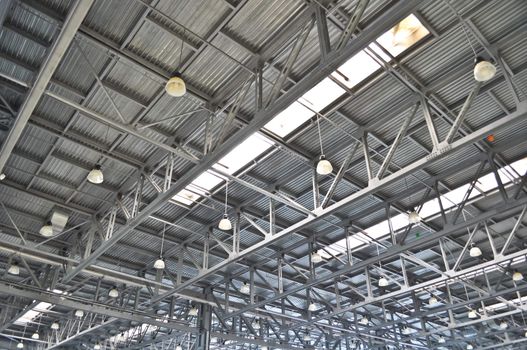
356, 69
38, 309
239, 157
403, 36
449, 200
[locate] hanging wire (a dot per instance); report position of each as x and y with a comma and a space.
226, 194
181, 51
462, 22
320, 136
163, 239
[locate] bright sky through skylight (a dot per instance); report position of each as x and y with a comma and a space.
431, 207
355, 70
239, 157
30, 315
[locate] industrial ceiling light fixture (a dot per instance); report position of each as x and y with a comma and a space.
35, 336
316, 257
176, 85
406, 330
441, 340
159, 264
14, 269
225, 224
432, 301
264, 347
256, 325
504, 324
113, 293
364, 321
469, 346
95, 176
414, 217
472, 314
79, 313
383, 282
47, 229
97, 346
245, 288
179, 347
2, 176
475, 251
517, 276
55, 326
312, 307
307, 336
483, 70
324, 167
20, 345
193, 311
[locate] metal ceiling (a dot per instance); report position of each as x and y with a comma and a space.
82, 83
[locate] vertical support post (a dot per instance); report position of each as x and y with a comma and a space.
204, 321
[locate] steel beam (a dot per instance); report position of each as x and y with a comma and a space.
71, 25
334, 60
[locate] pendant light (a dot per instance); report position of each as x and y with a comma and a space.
95, 176
483, 70
504, 324
47, 229
475, 251
225, 224
159, 264
113, 293
245, 288
14, 269
193, 311
414, 217
263, 347
307, 337
517, 276
55, 326
469, 346
312, 307
364, 321
176, 85
97, 346
35, 336
79, 313
383, 282
316, 257
256, 325
472, 314
179, 347
324, 167
441, 340
20, 345
432, 301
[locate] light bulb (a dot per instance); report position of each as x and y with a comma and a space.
245, 288
2, 177
14, 269
79, 313
35, 336
312, 307
472, 314
469, 347
193, 311
179, 347
383, 282
413, 217
432, 300
20, 345
475, 252
176, 86
364, 321
225, 224
504, 325
316, 257
324, 167
46, 230
97, 346
55, 326
159, 264
483, 70
113, 293
525, 334
517, 276
95, 176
